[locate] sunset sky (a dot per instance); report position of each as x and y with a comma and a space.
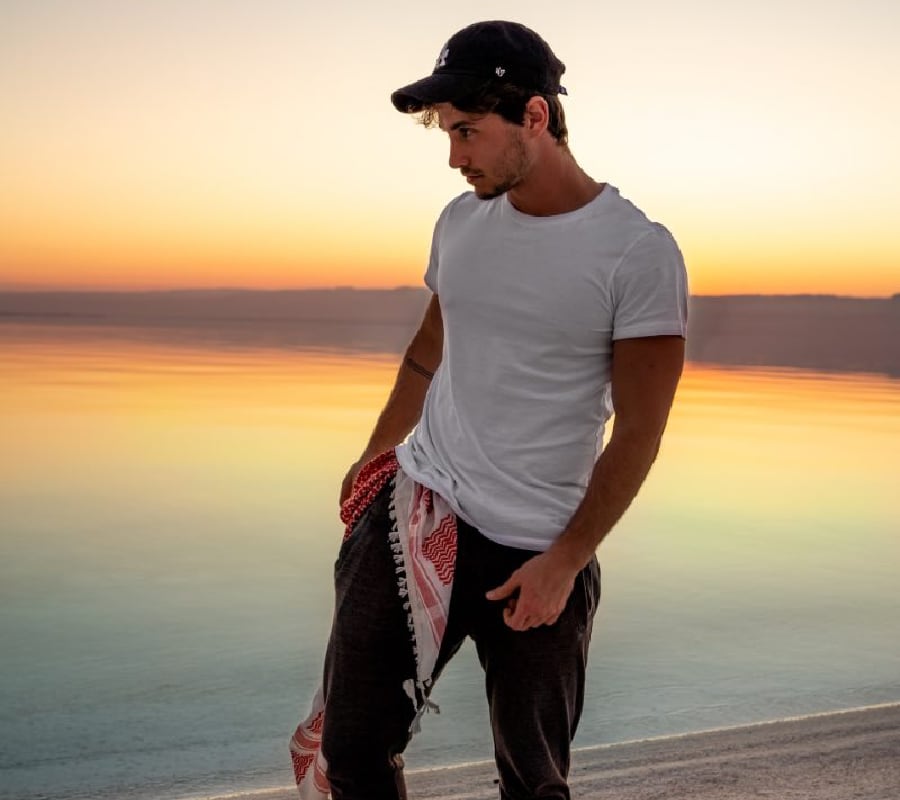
194, 143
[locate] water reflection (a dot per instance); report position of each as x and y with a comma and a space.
169, 524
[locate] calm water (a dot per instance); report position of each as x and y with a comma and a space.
168, 526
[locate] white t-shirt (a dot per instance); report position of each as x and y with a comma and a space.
513, 420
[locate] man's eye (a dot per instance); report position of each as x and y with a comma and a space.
465, 133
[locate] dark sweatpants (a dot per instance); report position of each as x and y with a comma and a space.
534, 679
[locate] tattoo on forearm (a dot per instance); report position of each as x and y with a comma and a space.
415, 366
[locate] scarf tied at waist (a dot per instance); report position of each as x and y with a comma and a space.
423, 544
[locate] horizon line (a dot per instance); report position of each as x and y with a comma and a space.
40, 289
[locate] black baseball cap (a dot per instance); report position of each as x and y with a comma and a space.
481, 54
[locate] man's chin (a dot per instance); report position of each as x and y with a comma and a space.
490, 194
496, 190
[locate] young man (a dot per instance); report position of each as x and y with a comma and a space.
554, 301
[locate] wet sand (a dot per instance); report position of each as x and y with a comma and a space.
838, 756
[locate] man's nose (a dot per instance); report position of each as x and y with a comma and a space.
457, 156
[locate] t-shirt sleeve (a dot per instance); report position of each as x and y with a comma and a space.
649, 289
431, 272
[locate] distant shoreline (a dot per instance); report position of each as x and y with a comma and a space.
25, 289
818, 332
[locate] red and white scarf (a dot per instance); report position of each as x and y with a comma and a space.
423, 542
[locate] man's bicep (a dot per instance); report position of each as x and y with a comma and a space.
433, 321
645, 373
428, 342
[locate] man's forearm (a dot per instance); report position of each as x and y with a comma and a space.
617, 476
404, 405
645, 374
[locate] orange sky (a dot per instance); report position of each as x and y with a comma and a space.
192, 143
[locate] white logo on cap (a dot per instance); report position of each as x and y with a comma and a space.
500, 72
442, 58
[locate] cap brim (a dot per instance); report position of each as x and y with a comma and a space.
442, 87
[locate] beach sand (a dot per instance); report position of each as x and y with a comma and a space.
836, 756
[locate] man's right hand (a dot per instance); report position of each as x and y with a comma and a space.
350, 477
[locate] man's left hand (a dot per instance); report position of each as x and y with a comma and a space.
537, 592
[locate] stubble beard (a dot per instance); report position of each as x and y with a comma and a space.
512, 170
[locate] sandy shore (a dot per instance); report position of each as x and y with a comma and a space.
839, 756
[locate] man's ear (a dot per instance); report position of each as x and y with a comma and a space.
537, 115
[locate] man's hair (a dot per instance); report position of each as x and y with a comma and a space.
509, 102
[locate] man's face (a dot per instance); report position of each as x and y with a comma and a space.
488, 151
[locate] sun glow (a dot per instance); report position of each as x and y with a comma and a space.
156, 149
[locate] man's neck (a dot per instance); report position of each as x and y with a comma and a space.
555, 185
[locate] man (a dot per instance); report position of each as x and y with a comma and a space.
554, 301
